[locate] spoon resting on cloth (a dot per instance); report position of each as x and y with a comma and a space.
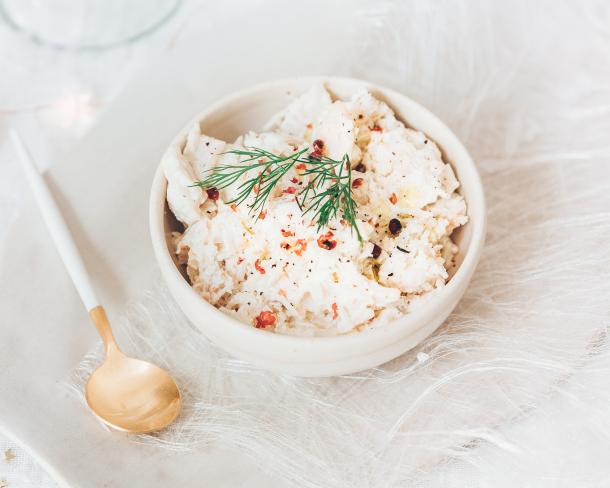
127, 394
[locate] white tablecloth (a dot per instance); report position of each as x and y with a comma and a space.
19, 470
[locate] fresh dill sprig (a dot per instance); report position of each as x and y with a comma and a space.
269, 169
332, 192
328, 192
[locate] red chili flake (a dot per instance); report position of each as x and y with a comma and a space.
287, 233
376, 251
300, 247
393, 198
262, 215
291, 189
376, 128
234, 207
335, 311
326, 241
315, 155
265, 319
294, 180
240, 260
255, 189
212, 193
300, 166
309, 126
357, 183
259, 268
285, 245
261, 161
318, 145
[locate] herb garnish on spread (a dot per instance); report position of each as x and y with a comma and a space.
328, 190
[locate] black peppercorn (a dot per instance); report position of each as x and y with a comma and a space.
395, 227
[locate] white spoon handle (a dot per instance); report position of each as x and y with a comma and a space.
56, 225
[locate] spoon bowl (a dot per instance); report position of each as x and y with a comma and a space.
129, 394
132, 395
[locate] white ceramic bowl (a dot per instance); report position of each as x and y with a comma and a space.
319, 356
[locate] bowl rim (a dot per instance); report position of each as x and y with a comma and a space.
410, 322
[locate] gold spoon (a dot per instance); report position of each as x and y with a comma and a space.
125, 393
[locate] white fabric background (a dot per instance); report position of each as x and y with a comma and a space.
526, 86
20, 471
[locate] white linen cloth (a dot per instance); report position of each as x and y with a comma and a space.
512, 390
19, 470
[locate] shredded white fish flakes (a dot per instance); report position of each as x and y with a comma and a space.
277, 270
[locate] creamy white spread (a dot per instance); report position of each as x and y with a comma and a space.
277, 272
